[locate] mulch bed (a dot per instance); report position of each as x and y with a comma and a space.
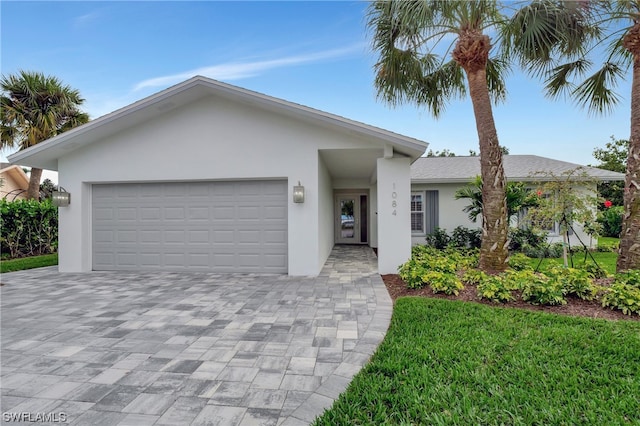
574, 307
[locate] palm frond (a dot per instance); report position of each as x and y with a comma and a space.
559, 81
497, 69
596, 93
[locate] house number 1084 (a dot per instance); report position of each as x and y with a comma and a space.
394, 203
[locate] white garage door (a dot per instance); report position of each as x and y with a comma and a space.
238, 226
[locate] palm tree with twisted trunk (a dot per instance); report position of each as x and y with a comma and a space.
34, 108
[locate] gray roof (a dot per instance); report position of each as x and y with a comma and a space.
516, 167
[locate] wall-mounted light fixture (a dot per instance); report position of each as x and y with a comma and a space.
61, 198
298, 193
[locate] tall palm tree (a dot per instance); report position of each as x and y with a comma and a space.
34, 108
408, 70
612, 27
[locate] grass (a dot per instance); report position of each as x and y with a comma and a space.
28, 263
606, 259
454, 363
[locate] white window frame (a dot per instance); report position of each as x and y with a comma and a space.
421, 231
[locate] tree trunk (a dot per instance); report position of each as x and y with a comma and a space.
629, 254
472, 54
493, 251
33, 193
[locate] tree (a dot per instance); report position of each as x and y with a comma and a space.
35, 108
444, 153
612, 26
408, 70
518, 197
564, 200
406, 35
613, 157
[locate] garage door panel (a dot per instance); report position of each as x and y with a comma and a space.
206, 226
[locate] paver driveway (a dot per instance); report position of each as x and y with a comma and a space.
173, 348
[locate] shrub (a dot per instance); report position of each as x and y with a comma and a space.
611, 221
462, 237
543, 291
494, 288
519, 262
28, 227
516, 280
624, 297
438, 239
474, 276
576, 282
631, 278
595, 270
411, 273
518, 238
446, 283
545, 250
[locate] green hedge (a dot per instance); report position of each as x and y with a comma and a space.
28, 228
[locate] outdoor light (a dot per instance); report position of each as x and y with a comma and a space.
298, 193
61, 198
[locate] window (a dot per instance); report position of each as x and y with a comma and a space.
417, 213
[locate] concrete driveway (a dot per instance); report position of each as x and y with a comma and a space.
187, 349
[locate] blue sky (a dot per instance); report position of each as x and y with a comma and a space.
313, 53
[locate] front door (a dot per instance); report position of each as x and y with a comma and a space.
351, 224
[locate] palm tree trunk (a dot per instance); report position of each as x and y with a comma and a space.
33, 193
493, 251
629, 254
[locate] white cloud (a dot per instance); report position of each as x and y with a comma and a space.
240, 70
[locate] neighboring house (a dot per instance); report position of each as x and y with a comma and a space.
434, 181
13, 182
201, 177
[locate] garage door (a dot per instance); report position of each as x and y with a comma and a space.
238, 226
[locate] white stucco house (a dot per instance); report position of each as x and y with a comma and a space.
201, 176
434, 181
206, 176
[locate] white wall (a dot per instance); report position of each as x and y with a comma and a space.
326, 215
394, 213
207, 140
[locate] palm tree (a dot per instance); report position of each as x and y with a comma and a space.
35, 108
612, 27
408, 70
518, 198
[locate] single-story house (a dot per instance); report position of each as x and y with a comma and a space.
434, 181
14, 182
207, 176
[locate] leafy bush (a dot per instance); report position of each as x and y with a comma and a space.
611, 221
494, 288
446, 283
519, 262
608, 246
426, 259
411, 273
474, 276
622, 296
462, 237
518, 238
631, 278
544, 250
595, 270
516, 280
576, 282
438, 239
541, 290
28, 227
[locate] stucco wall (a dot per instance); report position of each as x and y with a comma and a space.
207, 140
325, 194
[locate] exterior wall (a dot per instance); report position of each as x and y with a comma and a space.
451, 215
394, 213
326, 215
208, 140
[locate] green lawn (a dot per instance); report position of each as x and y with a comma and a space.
460, 363
606, 260
28, 263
